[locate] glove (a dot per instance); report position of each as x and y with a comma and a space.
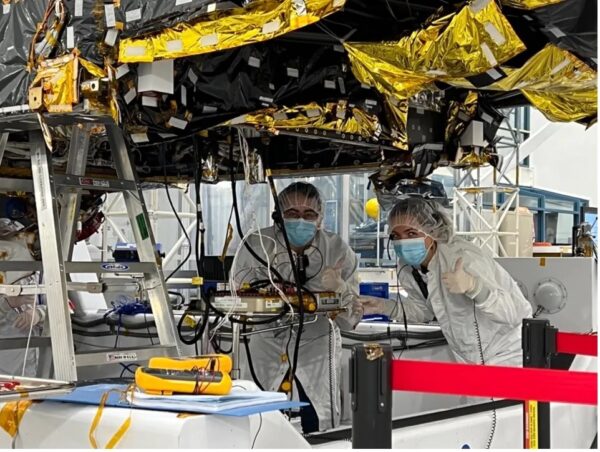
331, 278
348, 320
460, 282
21, 300
372, 305
25, 318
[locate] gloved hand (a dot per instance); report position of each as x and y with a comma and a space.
21, 300
331, 278
348, 320
373, 305
25, 318
459, 281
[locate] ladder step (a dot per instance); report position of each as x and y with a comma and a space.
110, 267
16, 290
93, 183
123, 355
14, 184
15, 343
20, 266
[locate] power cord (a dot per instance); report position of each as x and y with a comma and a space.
257, 431
189, 253
249, 359
494, 414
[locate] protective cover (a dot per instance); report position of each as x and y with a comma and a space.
148, 16
572, 25
17, 28
216, 88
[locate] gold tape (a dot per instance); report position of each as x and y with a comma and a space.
114, 440
373, 351
12, 414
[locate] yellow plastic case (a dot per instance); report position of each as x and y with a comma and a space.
218, 363
168, 382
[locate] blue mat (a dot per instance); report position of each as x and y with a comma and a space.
91, 395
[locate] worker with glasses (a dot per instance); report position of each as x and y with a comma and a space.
326, 264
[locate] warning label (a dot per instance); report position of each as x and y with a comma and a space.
119, 357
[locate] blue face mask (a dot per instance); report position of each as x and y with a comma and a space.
300, 232
411, 251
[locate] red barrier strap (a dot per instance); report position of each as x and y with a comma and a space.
516, 383
577, 344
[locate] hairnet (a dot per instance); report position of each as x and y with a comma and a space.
422, 214
301, 194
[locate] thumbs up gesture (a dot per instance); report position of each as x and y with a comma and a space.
458, 281
331, 278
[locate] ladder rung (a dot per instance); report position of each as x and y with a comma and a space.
110, 267
14, 184
123, 355
93, 183
89, 287
20, 266
15, 343
16, 290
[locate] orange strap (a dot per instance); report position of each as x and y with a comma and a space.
114, 440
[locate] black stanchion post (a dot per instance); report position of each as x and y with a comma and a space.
371, 389
539, 344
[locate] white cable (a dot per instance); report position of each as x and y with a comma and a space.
333, 366
244, 151
31, 325
270, 274
232, 287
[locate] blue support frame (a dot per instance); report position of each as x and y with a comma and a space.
543, 196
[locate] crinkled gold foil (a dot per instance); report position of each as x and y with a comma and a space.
555, 81
530, 4
397, 114
57, 79
258, 22
338, 118
564, 107
57, 83
460, 114
467, 43
370, 69
551, 69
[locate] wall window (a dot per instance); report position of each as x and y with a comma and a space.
554, 214
559, 227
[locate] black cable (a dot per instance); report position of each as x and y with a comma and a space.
402, 346
198, 329
148, 329
126, 368
250, 250
178, 295
249, 359
278, 218
237, 215
112, 333
399, 334
182, 263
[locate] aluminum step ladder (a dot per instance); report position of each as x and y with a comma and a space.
57, 233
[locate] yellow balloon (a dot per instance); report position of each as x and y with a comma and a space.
372, 208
